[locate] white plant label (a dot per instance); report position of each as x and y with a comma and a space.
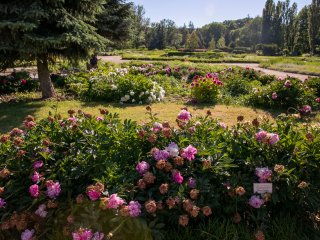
262, 188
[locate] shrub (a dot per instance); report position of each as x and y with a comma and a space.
314, 83
17, 82
206, 89
268, 49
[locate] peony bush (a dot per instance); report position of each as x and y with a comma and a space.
17, 82
87, 177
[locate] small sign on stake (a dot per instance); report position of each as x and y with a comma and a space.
262, 188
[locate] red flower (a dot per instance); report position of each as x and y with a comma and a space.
23, 82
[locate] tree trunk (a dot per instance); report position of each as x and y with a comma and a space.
46, 85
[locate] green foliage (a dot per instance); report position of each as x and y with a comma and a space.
17, 82
205, 89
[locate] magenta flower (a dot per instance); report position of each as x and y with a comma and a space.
34, 191
38, 164
161, 155
100, 118
53, 189
23, 82
177, 177
189, 153
288, 84
192, 183
93, 194
274, 96
318, 100
209, 75
273, 138
35, 177
260, 136
27, 234
98, 236
306, 109
82, 234
134, 209
142, 167
184, 115
115, 201
256, 201
41, 211
172, 149
264, 174
2, 203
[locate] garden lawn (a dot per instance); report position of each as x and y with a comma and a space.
13, 114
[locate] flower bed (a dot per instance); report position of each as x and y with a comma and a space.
87, 176
17, 82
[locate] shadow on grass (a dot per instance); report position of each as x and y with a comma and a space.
13, 114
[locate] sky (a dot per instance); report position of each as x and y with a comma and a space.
202, 12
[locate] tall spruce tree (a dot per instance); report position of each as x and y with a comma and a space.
39, 30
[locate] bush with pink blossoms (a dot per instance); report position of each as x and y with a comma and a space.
205, 89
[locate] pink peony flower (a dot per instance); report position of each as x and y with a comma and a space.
172, 149
142, 167
115, 201
27, 234
192, 183
161, 154
256, 201
134, 209
82, 234
184, 115
288, 84
274, 96
35, 177
73, 119
260, 136
34, 191
264, 174
38, 164
273, 138
2, 203
306, 109
189, 153
29, 125
156, 127
41, 211
53, 189
177, 177
100, 118
318, 100
223, 125
93, 194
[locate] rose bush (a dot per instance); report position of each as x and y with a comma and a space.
65, 178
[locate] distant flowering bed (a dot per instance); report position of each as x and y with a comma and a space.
86, 177
17, 82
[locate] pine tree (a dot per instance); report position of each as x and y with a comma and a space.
39, 30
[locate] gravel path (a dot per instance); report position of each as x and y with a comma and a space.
255, 66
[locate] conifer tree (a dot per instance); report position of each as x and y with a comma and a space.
41, 29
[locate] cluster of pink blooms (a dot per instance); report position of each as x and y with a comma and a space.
16, 132
134, 208
114, 201
189, 153
38, 164
192, 183
288, 84
27, 234
264, 174
318, 100
177, 177
157, 127
160, 154
256, 201
184, 115
142, 167
35, 177
34, 191
172, 149
94, 194
306, 109
87, 234
269, 138
99, 118
29, 124
53, 189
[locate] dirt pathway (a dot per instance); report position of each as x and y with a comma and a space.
255, 66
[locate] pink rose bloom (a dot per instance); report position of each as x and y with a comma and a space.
273, 138
142, 167
100, 118
82, 235
93, 194
2, 203
38, 164
288, 84
189, 152
192, 183
177, 177
41, 211
256, 201
34, 191
134, 209
27, 234
260, 136
35, 177
161, 155
274, 96
264, 174
318, 100
115, 201
184, 115
53, 189
156, 127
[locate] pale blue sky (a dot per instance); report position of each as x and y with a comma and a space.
201, 12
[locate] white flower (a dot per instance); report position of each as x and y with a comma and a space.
114, 87
127, 97
131, 93
133, 100
147, 92
140, 102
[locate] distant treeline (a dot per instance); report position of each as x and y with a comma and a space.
281, 30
